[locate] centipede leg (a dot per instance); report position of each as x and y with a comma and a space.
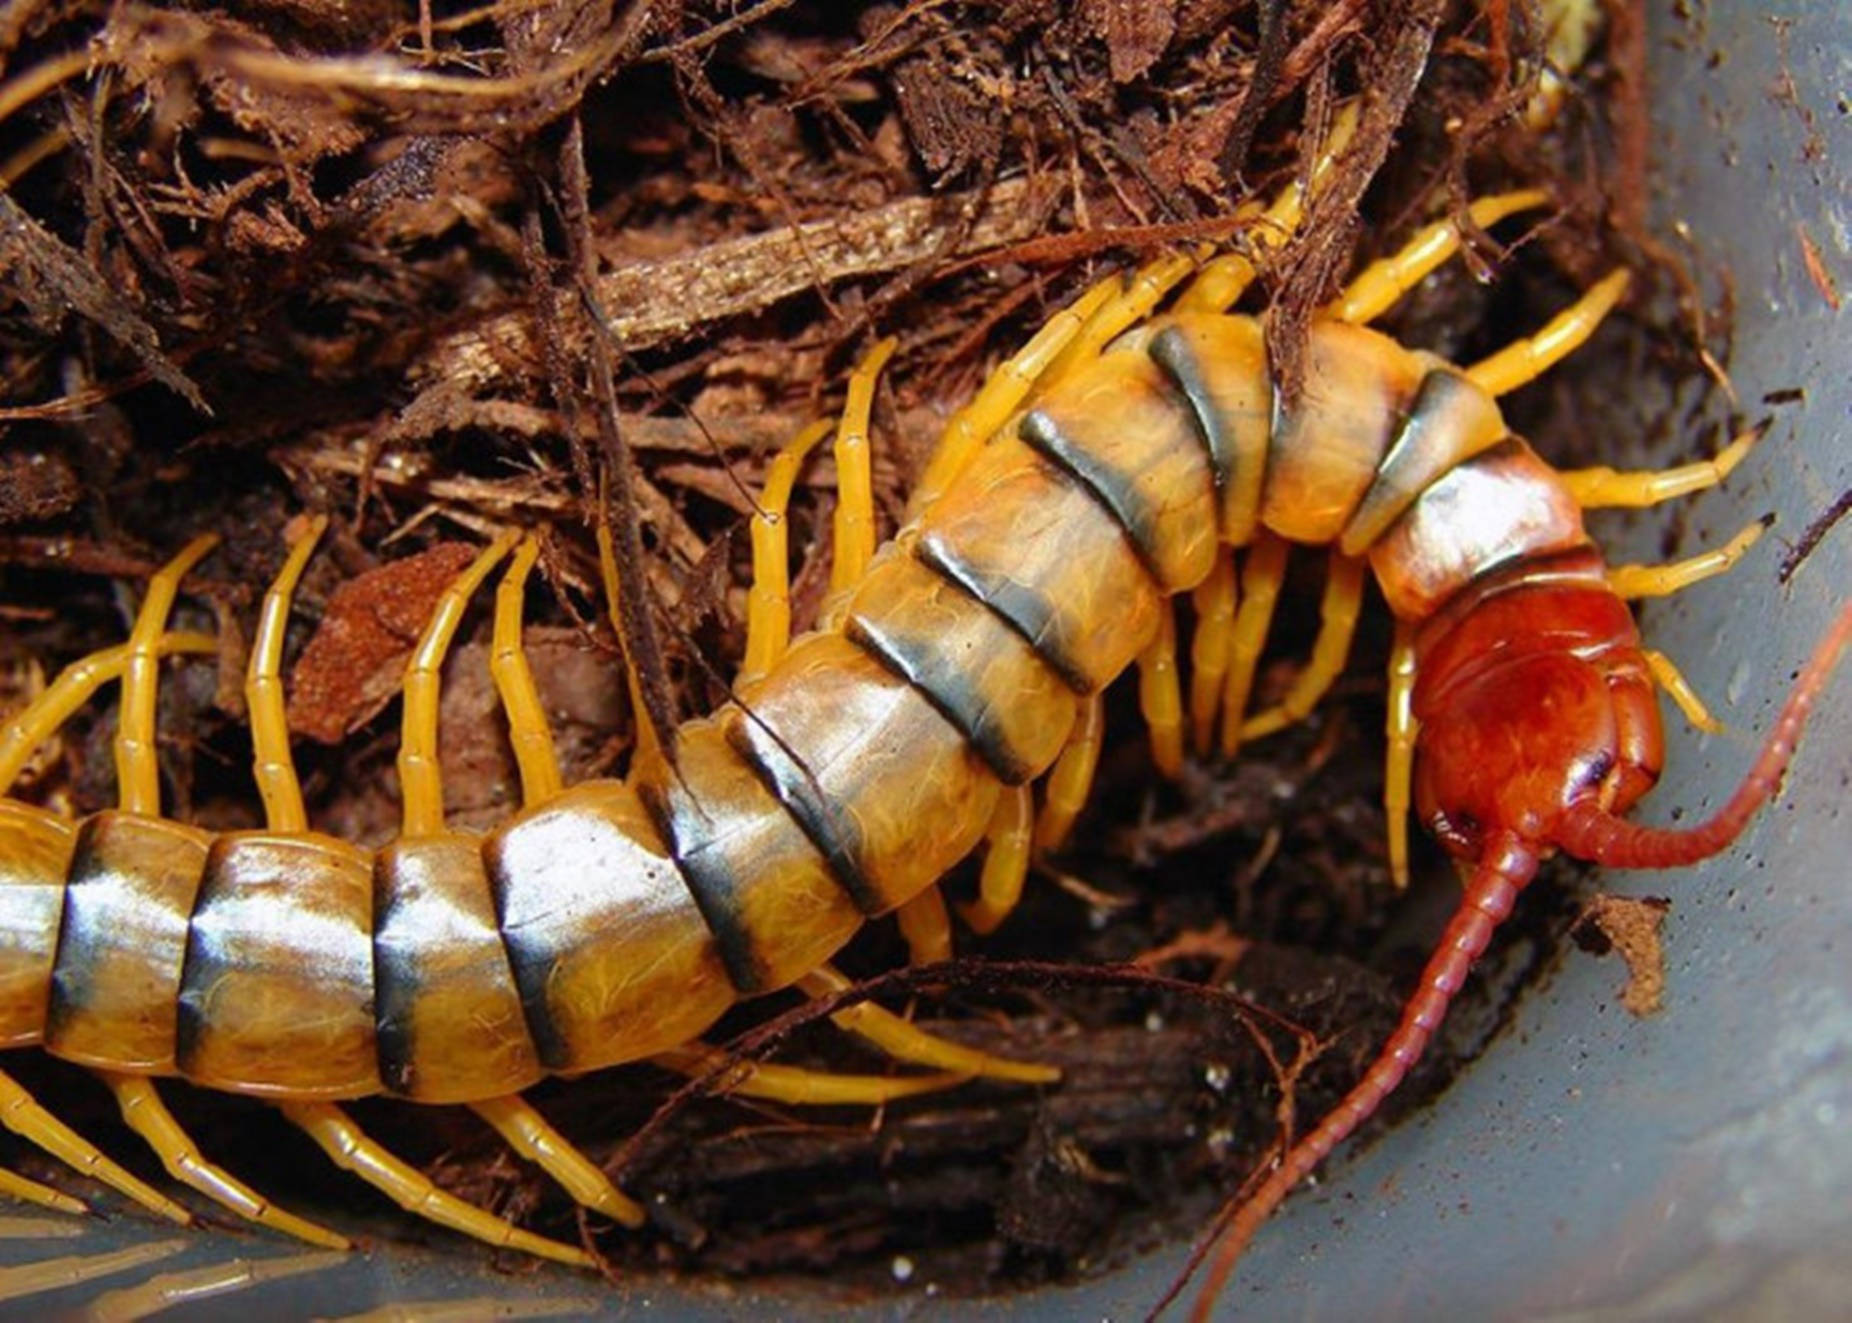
272, 763
1148, 285
853, 530
1003, 391
1604, 488
1525, 360
1679, 690
15, 1186
1377, 287
1215, 600
1338, 610
527, 1132
1072, 778
528, 732
148, 1117
138, 774
26, 730
1401, 727
1160, 697
926, 927
1225, 279
420, 781
21, 1113
795, 1084
1635, 581
352, 1149
1261, 578
1009, 844
768, 601
908, 1042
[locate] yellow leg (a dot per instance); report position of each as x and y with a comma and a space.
1337, 626
1402, 730
1002, 393
26, 730
352, 1149
1376, 288
1214, 600
138, 774
528, 1133
768, 603
74, 1269
15, 1186
148, 1117
1160, 697
272, 764
1602, 487
649, 739
1525, 360
528, 732
1261, 578
21, 1113
1009, 842
170, 1290
1680, 691
907, 1042
853, 542
1636, 581
1072, 777
926, 928
1126, 308
1224, 280
798, 1086
420, 781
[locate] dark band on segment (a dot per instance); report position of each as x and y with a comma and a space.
941, 681
1115, 490
687, 832
1170, 349
1449, 420
1019, 606
815, 813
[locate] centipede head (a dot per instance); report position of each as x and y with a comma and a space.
1535, 702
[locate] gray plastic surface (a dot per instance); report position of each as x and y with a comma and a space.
1591, 1165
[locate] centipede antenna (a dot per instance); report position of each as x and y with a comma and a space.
1505, 867
1589, 832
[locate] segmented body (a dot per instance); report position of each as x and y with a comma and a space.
621, 918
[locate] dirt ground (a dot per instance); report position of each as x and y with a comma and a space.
441, 269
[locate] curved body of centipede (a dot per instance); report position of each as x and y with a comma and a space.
1116, 463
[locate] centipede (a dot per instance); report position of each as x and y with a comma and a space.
1139, 452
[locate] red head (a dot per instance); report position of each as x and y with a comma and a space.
1535, 700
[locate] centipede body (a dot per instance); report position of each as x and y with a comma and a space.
739, 958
